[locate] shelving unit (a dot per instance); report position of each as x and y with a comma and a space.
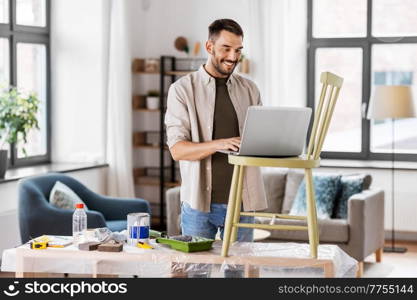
166, 176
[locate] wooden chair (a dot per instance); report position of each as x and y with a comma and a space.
331, 85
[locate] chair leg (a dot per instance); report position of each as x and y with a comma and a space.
313, 234
230, 212
236, 216
378, 255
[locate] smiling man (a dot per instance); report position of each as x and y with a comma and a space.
206, 112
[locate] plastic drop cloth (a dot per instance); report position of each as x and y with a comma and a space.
245, 260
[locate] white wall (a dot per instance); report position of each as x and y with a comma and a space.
94, 179
79, 33
164, 20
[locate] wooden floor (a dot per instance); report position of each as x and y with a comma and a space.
392, 265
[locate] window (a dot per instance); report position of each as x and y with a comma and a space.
368, 42
25, 63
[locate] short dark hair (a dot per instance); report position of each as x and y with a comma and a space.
224, 24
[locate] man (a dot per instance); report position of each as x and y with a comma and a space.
206, 112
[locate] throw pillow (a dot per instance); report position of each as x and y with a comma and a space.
326, 188
62, 196
350, 185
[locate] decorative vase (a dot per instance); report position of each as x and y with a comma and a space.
152, 102
3, 163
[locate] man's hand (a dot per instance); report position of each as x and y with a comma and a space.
186, 150
228, 144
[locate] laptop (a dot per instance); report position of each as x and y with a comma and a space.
274, 131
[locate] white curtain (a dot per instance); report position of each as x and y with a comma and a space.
277, 48
119, 108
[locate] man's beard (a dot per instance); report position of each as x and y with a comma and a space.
218, 66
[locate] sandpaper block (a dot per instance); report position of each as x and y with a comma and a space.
88, 246
110, 247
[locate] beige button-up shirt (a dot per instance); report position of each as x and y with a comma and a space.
189, 117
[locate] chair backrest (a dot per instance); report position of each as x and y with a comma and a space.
330, 88
44, 184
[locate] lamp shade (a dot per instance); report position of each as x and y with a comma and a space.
391, 102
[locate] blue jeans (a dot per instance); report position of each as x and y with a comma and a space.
203, 224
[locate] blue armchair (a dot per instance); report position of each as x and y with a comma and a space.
37, 216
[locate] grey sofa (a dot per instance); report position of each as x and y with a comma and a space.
360, 235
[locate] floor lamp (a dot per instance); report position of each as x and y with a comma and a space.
391, 102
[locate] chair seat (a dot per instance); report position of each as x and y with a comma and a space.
299, 162
116, 225
330, 230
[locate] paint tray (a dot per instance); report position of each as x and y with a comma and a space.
196, 244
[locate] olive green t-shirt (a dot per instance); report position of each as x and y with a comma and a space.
225, 125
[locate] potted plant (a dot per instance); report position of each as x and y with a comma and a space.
152, 99
18, 115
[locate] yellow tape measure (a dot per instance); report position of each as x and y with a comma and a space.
39, 243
